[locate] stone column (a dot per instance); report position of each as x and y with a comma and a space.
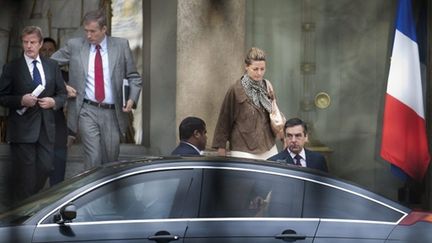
210, 54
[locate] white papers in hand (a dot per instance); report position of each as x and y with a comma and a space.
35, 93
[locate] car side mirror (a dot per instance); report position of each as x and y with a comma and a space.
66, 214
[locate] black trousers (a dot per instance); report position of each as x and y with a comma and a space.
60, 149
31, 165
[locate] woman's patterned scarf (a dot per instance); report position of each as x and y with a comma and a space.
257, 92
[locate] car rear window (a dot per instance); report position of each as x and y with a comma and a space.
323, 201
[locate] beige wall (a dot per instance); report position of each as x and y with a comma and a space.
210, 50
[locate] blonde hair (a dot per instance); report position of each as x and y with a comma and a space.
28, 30
254, 54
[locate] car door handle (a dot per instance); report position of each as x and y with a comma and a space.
290, 235
163, 237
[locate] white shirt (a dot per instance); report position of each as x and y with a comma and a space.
30, 66
89, 89
302, 155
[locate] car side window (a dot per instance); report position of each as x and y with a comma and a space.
153, 195
322, 201
231, 193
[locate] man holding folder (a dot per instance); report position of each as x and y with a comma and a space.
98, 64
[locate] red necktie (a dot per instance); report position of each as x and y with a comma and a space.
99, 80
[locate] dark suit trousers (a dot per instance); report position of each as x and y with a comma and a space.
32, 162
60, 149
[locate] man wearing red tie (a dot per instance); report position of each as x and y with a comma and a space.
296, 135
32, 87
97, 66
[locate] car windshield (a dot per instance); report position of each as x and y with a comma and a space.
19, 213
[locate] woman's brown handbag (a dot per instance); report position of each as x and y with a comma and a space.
277, 118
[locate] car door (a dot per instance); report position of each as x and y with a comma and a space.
242, 205
143, 207
348, 214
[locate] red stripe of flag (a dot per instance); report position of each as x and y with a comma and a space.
404, 141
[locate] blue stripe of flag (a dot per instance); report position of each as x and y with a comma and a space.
405, 20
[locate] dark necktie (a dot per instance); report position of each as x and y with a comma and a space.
36, 74
297, 159
99, 80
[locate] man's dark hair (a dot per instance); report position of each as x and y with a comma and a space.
49, 39
189, 125
295, 122
96, 15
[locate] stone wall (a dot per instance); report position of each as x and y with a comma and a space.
210, 54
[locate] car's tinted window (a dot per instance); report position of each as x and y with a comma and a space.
322, 201
230, 193
152, 195
21, 211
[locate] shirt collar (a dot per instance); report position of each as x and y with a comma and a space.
302, 154
193, 146
103, 45
30, 60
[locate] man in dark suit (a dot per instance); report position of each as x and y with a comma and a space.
60, 145
193, 137
98, 65
296, 135
31, 124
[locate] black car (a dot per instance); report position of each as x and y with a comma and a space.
210, 199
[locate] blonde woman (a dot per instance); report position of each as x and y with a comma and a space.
244, 116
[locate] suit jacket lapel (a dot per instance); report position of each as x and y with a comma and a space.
47, 72
85, 52
113, 53
288, 157
28, 80
113, 59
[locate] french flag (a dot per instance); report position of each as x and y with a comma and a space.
404, 142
